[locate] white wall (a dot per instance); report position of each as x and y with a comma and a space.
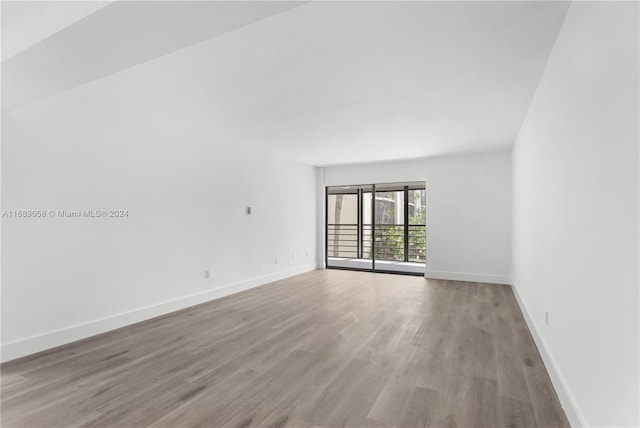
376, 172
321, 218
109, 145
469, 217
468, 210
575, 214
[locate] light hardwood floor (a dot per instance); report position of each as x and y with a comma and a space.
328, 348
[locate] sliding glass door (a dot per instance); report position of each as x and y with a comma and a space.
348, 237
377, 227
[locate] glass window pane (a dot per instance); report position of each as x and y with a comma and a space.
389, 232
342, 227
417, 229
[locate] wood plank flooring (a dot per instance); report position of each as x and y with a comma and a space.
329, 348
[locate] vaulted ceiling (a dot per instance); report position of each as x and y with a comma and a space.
320, 82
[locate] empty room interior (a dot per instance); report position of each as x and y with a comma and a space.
320, 214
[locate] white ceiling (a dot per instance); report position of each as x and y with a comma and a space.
112, 38
322, 82
25, 23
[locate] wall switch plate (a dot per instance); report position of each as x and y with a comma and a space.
276, 259
293, 256
248, 210
207, 274
546, 318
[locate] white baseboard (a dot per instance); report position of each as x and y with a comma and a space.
31, 345
571, 409
471, 277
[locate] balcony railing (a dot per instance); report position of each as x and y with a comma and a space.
346, 240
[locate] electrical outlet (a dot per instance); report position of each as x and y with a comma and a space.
546, 318
207, 274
